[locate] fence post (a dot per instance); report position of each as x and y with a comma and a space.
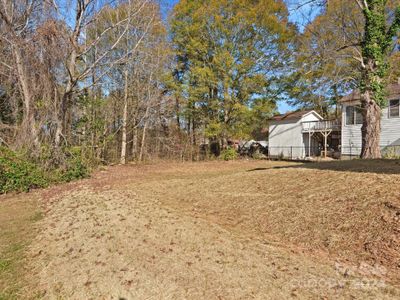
291, 152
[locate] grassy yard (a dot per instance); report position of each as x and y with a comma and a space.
215, 230
18, 216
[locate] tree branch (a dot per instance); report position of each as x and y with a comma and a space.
348, 46
394, 28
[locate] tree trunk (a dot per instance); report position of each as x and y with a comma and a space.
143, 141
61, 118
193, 141
177, 113
135, 142
124, 119
146, 118
29, 131
227, 104
67, 95
371, 128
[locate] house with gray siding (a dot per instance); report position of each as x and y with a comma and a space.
352, 121
300, 134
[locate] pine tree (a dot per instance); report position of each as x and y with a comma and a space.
228, 54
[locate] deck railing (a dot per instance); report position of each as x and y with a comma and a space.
324, 125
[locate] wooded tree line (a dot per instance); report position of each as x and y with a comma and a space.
83, 73
115, 81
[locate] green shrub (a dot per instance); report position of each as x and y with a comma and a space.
391, 152
229, 154
19, 174
75, 165
258, 155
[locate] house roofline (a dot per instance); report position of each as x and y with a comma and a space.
294, 115
313, 111
392, 89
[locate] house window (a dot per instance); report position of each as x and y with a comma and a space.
359, 117
353, 115
394, 108
349, 115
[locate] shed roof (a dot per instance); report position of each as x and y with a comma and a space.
392, 90
293, 115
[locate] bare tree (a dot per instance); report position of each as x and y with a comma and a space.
16, 19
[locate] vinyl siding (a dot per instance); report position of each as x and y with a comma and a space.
286, 138
390, 130
310, 117
351, 134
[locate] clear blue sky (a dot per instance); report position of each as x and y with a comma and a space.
167, 5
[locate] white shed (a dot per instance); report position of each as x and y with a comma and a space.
290, 135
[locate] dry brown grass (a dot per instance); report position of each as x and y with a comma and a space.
346, 210
222, 230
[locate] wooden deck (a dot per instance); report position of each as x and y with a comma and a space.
321, 126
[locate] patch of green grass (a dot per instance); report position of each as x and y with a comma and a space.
10, 270
4, 265
17, 217
37, 216
8, 296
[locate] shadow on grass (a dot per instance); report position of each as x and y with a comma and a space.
261, 169
379, 166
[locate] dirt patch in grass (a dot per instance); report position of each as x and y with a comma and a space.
18, 214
